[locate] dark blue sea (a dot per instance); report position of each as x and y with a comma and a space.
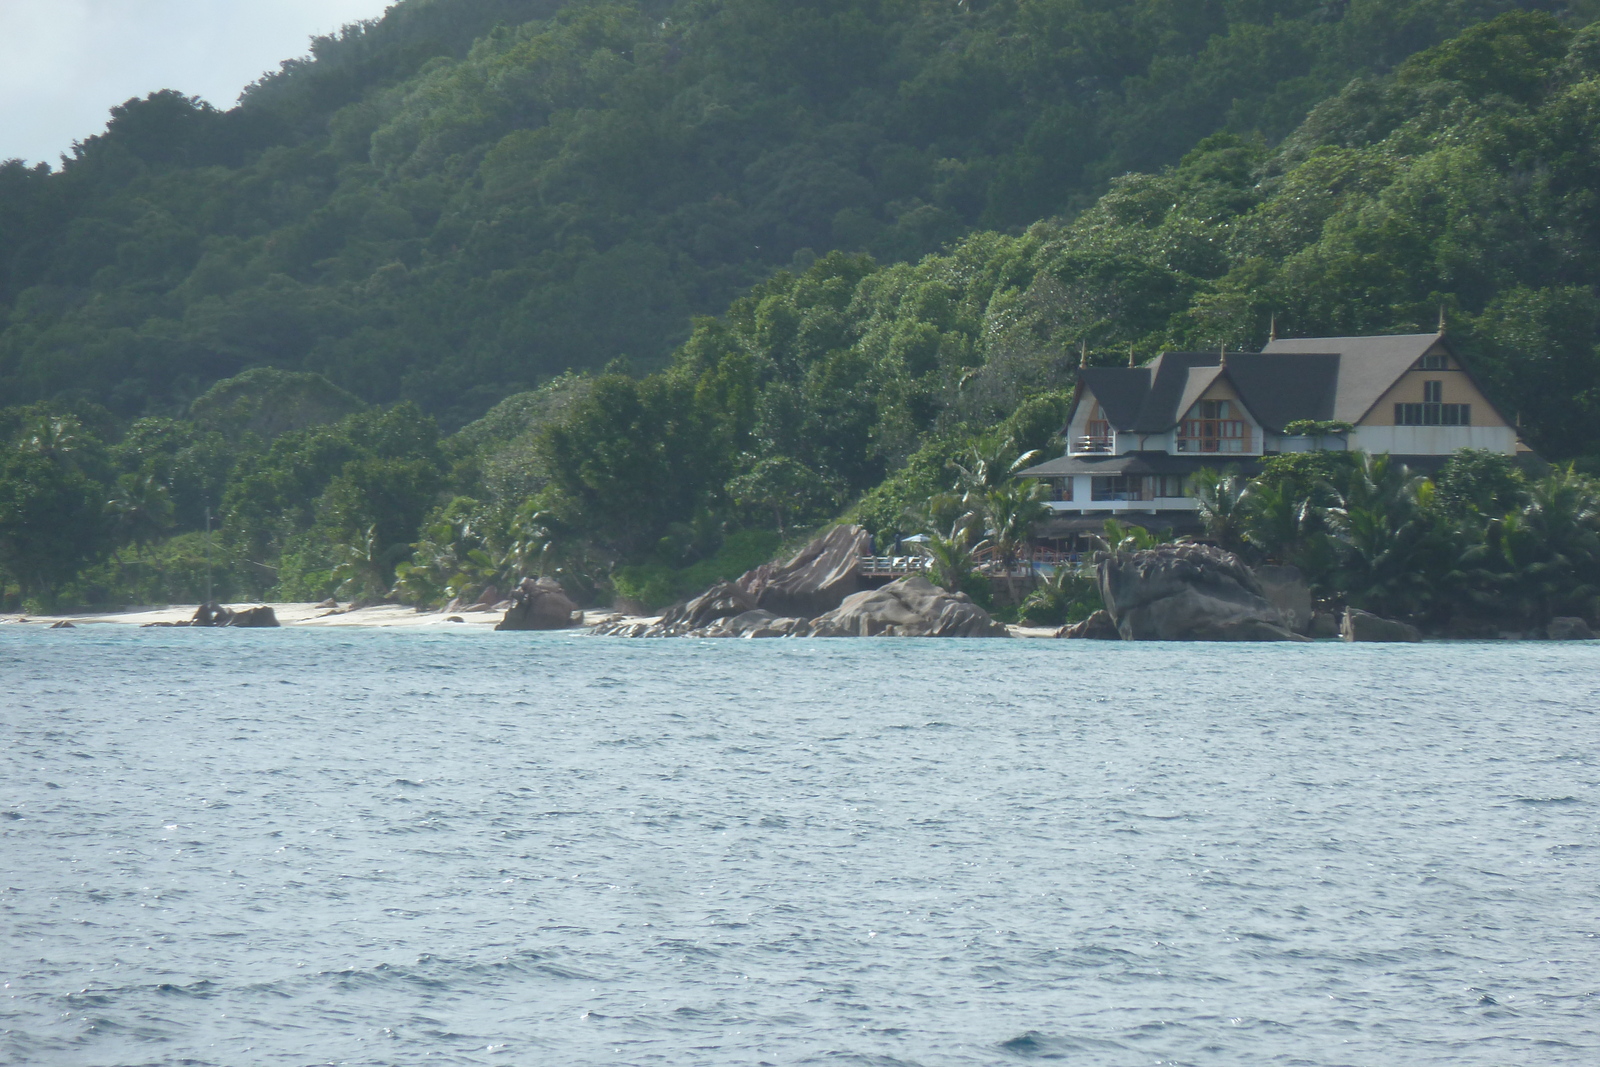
302, 847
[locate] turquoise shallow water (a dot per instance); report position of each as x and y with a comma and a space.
307, 847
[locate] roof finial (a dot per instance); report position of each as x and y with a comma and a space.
1131, 361
1441, 318
1272, 334
1083, 352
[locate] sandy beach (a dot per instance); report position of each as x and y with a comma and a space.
387, 616
382, 615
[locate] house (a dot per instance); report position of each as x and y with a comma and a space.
1136, 435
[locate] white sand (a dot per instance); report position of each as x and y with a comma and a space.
383, 615
387, 616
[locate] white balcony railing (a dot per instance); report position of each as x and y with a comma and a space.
1091, 446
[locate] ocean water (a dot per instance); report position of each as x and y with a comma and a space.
303, 847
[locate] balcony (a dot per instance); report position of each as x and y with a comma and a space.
1093, 445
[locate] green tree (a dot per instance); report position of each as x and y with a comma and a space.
52, 521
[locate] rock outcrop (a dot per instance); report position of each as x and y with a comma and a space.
1364, 626
757, 623
1097, 627
1188, 593
1568, 628
722, 601
538, 604
909, 607
813, 582
1324, 624
816, 579
260, 616
1287, 590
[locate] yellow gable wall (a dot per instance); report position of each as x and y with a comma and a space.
1458, 389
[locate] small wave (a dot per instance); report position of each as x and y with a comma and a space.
1547, 800
1034, 1045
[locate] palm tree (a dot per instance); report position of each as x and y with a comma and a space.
141, 509
987, 465
1010, 512
362, 573
1542, 559
1276, 522
953, 558
1117, 536
1393, 555
55, 437
1065, 596
1220, 502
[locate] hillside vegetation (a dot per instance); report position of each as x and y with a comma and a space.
469, 197
1462, 179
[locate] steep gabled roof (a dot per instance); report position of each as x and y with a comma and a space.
1367, 368
1281, 388
1277, 389
1120, 391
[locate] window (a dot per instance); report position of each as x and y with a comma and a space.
1432, 392
1063, 488
1166, 485
1114, 487
1213, 426
1433, 414
1435, 362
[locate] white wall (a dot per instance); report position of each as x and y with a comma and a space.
1432, 440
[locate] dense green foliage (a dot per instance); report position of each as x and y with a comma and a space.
1476, 550
630, 140
469, 197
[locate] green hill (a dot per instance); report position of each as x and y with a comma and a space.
259, 319
468, 197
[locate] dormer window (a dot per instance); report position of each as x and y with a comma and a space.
1214, 426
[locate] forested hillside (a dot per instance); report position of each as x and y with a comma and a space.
469, 197
867, 381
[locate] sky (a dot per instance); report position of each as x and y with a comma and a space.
64, 64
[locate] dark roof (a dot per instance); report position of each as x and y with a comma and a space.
1134, 463
1368, 365
1278, 389
1120, 391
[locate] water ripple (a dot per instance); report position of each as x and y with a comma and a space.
280, 848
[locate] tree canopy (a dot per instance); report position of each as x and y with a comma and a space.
466, 198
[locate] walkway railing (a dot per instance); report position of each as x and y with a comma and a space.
1040, 562
891, 566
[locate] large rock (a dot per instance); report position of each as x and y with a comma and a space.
1287, 590
538, 604
1364, 626
1568, 628
1097, 627
259, 617
722, 601
757, 623
1188, 593
816, 580
909, 607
